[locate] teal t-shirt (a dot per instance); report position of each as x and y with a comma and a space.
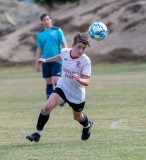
50, 41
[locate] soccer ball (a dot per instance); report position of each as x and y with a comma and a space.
98, 31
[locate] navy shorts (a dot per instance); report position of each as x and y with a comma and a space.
75, 107
50, 69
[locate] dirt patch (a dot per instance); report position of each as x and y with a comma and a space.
117, 56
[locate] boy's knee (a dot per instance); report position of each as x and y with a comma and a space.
47, 109
78, 118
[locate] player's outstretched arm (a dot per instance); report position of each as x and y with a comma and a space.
53, 59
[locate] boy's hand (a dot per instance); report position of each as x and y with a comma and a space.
41, 60
37, 66
76, 76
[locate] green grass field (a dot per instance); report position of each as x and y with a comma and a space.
115, 101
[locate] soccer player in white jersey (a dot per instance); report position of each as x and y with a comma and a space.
76, 73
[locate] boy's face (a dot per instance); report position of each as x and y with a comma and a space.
47, 22
78, 49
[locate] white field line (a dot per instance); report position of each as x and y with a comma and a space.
113, 125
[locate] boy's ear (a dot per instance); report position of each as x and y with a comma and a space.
72, 45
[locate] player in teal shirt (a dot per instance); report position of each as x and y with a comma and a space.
50, 41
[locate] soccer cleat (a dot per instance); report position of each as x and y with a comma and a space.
33, 137
86, 131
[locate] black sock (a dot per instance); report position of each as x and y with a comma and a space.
42, 120
49, 90
84, 121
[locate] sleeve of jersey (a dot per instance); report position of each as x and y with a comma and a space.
62, 53
38, 43
87, 69
61, 36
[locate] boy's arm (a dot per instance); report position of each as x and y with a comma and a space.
53, 59
38, 55
85, 80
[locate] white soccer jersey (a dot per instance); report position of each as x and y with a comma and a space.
73, 90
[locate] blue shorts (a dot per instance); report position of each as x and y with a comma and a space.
51, 69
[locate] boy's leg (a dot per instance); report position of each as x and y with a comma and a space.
49, 90
82, 119
62, 104
47, 75
42, 120
87, 125
53, 101
84, 122
56, 74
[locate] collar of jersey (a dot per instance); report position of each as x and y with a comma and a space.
71, 55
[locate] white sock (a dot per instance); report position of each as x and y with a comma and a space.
88, 125
39, 132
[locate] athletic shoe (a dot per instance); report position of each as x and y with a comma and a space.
86, 131
62, 104
33, 137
